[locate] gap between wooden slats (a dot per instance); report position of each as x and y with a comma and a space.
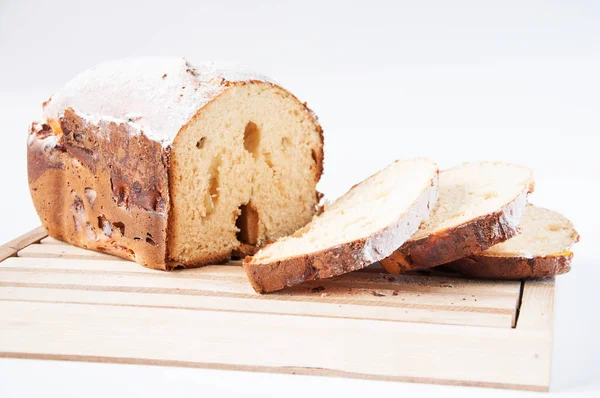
537, 305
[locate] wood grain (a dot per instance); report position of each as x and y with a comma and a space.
231, 281
63, 302
11, 248
394, 349
62, 251
51, 241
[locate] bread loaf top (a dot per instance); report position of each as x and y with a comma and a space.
153, 95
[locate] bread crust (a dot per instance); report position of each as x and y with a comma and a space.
510, 268
338, 260
513, 266
101, 188
464, 240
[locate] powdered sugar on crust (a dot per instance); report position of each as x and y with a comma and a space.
513, 212
156, 96
382, 245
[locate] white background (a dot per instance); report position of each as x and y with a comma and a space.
453, 81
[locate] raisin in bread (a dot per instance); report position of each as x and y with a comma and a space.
541, 250
480, 205
363, 226
172, 165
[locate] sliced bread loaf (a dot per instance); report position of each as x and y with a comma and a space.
363, 226
541, 250
171, 165
480, 205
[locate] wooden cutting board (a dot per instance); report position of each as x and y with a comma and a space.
64, 303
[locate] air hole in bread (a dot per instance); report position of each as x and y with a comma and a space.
200, 143
120, 226
105, 225
252, 138
285, 142
247, 223
120, 192
490, 195
212, 193
149, 239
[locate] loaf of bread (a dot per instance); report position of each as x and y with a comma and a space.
541, 250
365, 225
480, 205
171, 165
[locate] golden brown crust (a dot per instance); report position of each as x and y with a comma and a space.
451, 244
101, 188
292, 271
495, 267
244, 250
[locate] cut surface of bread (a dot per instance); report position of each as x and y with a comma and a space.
541, 250
173, 165
363, 226
243, 171
480, 205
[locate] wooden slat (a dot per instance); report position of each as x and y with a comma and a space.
231, 280
366, 280
132, 283
63, 251
537, 305
255, 304
11, 248
63, 302
51, 241
395, 350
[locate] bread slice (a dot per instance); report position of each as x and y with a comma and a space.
541, 250
363, 226
480, 205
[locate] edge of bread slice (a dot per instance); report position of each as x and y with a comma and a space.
366, 224
540, 251
480, 205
